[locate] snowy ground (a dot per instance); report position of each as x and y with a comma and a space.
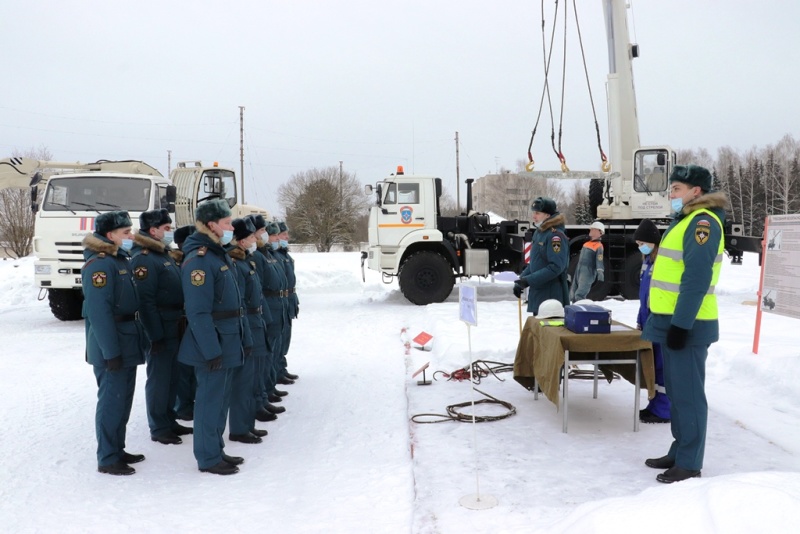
346, 458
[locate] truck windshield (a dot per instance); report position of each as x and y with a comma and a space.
97, 193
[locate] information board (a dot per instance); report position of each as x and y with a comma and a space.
780, 283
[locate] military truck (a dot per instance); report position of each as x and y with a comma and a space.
66, 197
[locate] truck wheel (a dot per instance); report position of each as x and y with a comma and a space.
596, 186
426, 277
65, 304
633, 269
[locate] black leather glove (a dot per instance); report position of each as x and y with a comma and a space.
522, 283
676, 337
114, 364
517, 290
215, 364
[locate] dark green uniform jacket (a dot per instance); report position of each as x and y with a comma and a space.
546, 272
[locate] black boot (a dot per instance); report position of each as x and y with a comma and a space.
222, 468
665, 462
258, 432
285, 381
646, 416
264, 416
128, 458
167, 439
274, 398
117, 468
245, 438
291, 376
271, 408
280, 393
677, 474
233, 460
180, 430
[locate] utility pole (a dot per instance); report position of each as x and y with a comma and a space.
169, 162
458, 179
341, 187
241, 148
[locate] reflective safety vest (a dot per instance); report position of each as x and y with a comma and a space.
668, 271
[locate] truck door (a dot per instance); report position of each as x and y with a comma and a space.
403, 210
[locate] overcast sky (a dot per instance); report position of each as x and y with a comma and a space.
376, 84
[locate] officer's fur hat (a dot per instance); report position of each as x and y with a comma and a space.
258, 221
213, 210
282, 226
647, 232
106, 222
154, 219
545, 205
182, 233
272, 228
243, 228
694, 175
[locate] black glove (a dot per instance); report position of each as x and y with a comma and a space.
215, 364
297, 312
676, 337
517, 290
522, 283
114, 364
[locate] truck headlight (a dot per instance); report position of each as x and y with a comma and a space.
42, 269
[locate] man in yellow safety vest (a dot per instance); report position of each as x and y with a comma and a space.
684, 317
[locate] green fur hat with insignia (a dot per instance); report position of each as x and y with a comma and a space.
545, 205
154, 219
282, 226
109, 221
272, 228
694, 175
213, 210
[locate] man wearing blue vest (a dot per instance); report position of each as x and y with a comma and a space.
684, 316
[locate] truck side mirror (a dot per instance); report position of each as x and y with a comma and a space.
368, 189
34, 194
172, 196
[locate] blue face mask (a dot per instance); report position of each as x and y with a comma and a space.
645, 249
275, 245
169, 237
227, 237
126, 244
677, 205
284, 243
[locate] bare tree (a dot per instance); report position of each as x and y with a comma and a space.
16, 215
579, 209
510, 195
323, 206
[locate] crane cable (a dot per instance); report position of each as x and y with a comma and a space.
558, 152
546, 57
605, 165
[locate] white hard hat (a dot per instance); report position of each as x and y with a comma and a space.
549, 309
597, 225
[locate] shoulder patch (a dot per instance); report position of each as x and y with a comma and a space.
99, 279
140, 272
198, 277
703, 222
202, 251
556, 244
701, 235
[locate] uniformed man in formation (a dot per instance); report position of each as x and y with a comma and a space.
158, 280
115, 339
246, 391
286, 377
213, 342
276, 292
184, 403
211, 319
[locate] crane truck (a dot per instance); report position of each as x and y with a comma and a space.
73, 194
410, 240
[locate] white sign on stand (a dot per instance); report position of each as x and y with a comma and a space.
468, 312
